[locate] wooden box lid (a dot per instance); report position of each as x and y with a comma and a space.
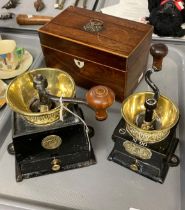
120, 37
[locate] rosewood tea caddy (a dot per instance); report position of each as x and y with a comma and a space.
97, 49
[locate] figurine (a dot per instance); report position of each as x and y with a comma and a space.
10, 4
39, 5
6, 16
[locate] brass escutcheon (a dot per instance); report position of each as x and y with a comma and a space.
78, 63
56, 164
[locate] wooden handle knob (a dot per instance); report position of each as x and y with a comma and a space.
158, 51
100, 98
24, 19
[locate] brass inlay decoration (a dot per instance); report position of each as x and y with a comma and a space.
138, 151
51, 142
94, 25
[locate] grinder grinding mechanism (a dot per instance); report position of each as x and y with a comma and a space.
145, 139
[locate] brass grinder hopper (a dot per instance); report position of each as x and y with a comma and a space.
149, 116
35, 95
21, 94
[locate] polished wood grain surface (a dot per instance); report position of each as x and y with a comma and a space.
83, 51
115, 56
119, 36
100, 98
158, 51
90, 75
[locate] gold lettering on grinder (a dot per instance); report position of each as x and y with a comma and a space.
138, 151
51, 142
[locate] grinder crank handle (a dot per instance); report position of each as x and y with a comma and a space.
100, 98
158, 51
23, 19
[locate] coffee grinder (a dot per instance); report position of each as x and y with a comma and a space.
145, 138
49, 131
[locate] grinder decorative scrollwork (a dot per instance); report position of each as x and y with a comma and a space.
42, 143
149, 123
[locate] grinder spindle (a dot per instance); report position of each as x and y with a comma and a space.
44, 103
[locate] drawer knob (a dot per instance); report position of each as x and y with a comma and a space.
56, 164
135, 166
